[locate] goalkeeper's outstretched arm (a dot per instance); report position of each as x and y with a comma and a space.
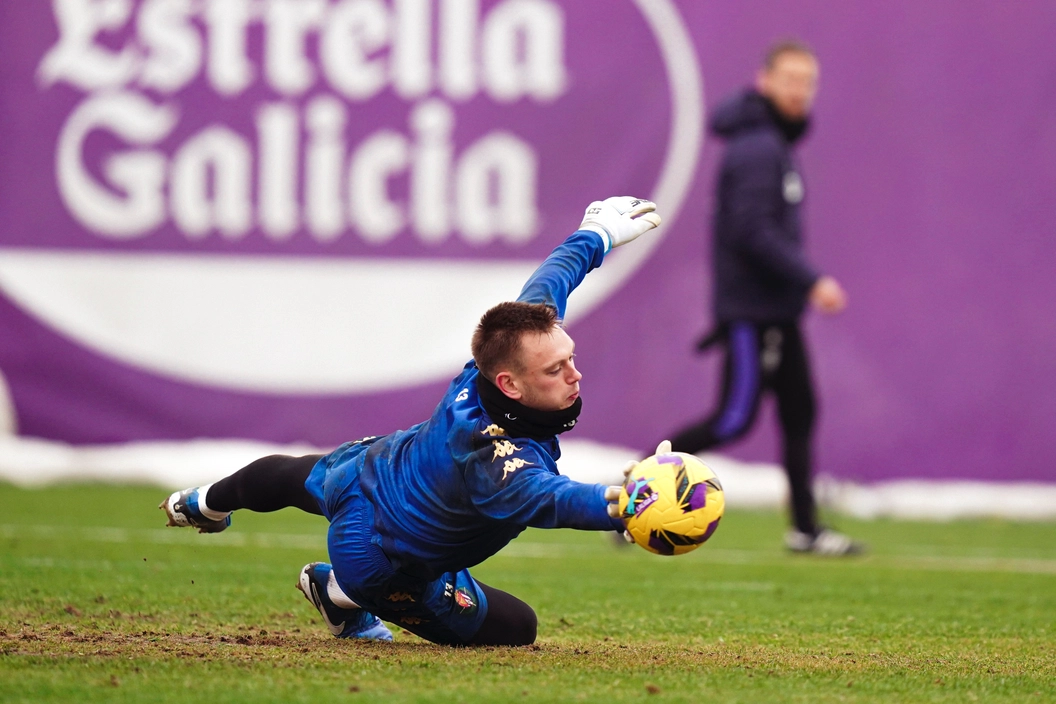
606, 224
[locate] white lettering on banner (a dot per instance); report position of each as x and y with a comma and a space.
174, 47
505, 161
456, 66
277, 125
377, 159
228, 68
129, 160
355, 32
487, 193
541, 73
288, 22
411, 69
433, 122
324, 164
139, 173
519, 45
225, 155
209, 177
76, 58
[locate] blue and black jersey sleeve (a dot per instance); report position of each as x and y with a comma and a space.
563, 270
514, 481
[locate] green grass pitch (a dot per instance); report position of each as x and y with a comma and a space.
100, 602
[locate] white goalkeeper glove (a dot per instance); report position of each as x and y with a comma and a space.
612, 493
620, 219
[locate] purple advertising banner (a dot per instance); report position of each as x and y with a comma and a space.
280, 219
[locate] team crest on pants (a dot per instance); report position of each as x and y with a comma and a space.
464, 600
462, 597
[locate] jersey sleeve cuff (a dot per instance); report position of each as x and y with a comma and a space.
606, 241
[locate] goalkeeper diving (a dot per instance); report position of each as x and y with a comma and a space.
412, 511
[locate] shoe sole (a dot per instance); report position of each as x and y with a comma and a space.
304, 584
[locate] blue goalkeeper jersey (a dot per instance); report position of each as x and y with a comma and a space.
452, 491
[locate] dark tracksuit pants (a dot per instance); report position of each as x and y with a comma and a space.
765, 357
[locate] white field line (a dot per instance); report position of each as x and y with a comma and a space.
169, 536
32, 462
522, 549
951, 563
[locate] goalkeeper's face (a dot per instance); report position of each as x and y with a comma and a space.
547, 379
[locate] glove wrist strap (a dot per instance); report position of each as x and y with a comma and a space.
606, 238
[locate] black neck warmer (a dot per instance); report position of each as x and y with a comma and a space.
518, 420
792, 130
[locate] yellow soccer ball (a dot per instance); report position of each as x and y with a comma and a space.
671, 503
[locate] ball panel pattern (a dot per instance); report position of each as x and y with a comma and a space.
671, 503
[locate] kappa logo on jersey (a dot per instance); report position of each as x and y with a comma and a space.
462, 395
493, 430
411, 620
400, 596
503, 448
511, 466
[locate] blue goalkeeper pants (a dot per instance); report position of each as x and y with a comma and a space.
453, 609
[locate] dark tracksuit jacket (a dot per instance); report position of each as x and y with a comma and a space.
760, 271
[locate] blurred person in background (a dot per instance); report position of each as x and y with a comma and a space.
763, 281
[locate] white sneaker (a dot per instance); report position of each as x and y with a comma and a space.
826, 542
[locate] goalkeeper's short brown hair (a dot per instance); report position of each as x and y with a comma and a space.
497, 340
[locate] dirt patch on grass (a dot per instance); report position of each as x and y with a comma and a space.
151, 644
241, 645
